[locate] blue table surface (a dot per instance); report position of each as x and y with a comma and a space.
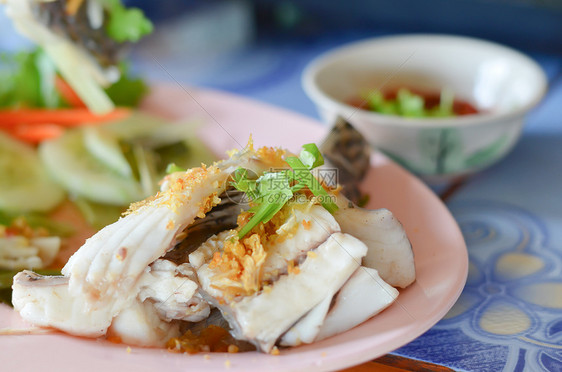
509, 316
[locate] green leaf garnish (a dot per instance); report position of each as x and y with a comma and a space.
270, 192
311, 156
269, 206
410, 104
303, 175
242, 183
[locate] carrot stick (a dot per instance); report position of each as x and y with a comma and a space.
68, 93
66, 117
35, 133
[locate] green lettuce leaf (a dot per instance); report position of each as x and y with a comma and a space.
27, 79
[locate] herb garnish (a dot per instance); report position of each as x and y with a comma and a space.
270, 192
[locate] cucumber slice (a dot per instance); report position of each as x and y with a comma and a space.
70, 163
104, 146
24, 184
137, 125
169, 133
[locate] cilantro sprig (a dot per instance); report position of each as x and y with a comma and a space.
270, 192
310, 158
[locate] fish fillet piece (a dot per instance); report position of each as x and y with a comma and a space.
263, 317
363, 296
304, 228
307, 230
106, 268
307, 328
172, 289
140, 325
390, 251
46, 302
166, 293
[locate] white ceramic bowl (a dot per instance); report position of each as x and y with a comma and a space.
502, 83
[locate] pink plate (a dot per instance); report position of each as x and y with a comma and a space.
440, 256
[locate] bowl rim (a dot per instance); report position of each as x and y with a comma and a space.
323, 100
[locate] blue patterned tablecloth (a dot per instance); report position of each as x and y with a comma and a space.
509, 316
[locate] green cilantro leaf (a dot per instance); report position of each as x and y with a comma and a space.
303, 175
270, 192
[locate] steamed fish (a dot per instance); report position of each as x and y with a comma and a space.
284, 258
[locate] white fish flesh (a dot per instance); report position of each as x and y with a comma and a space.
318, 277
307, 328
307, 230
140, 325
46, 302
172, 290
390, 251
363, 296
